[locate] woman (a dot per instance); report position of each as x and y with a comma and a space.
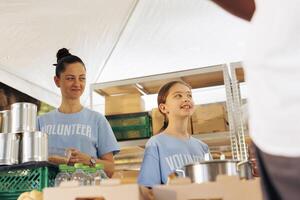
173, 148
86, 133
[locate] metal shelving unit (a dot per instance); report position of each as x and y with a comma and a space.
197, 78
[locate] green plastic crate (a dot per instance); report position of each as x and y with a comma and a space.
17, 179
131, 126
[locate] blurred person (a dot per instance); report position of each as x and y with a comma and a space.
272, 68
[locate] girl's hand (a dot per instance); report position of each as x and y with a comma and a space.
77, 156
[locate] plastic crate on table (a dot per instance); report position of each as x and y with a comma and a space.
17, 179
131, 126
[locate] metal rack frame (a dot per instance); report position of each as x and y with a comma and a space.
236, 134
95, 87
231, 118
239, 121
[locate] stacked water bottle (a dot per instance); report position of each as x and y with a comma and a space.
84, 175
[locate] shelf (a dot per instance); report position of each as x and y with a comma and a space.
127, 143
212, 139
197, 78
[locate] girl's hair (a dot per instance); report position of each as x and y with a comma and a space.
64, 57
162, 97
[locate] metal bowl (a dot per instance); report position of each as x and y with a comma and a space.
209, 170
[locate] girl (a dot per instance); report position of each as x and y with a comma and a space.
87, 133
173, 148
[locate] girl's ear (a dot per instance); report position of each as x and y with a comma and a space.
57, 81
162, 108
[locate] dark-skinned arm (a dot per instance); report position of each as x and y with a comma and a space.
240, 8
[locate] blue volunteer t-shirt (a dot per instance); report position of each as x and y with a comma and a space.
87, 130
164, 154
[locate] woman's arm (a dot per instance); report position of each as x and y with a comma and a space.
107, 160
240, 8
109, 163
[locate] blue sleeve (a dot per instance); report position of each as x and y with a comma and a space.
106, 139
150, 173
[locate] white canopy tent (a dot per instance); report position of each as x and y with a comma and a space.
117, 39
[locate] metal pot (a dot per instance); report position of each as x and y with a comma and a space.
209, 170
34, 146
23, 116
245, 170
9, 148
5, 121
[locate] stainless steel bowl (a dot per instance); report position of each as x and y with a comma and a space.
23, 116
34, 146
9, 148
5, 121
209, 170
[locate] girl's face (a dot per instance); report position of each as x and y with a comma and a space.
72, 81
179, 102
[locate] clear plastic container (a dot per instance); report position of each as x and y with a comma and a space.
79, 175
62, 176
100, 169
71, 170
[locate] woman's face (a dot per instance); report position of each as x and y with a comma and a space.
72, 81
179, 101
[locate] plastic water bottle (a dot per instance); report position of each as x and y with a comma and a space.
62, 176
96, 176
79, 175
100, 170
71, 170
89, 178
93, 175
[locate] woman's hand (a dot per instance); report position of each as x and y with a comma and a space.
77, 156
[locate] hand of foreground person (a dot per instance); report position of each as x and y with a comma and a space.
146, 193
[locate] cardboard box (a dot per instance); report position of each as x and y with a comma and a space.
208, 112
210, 126
225, 188
122, 104
108, 192
158, 121
210, 118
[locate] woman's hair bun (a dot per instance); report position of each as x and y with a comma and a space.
63, 52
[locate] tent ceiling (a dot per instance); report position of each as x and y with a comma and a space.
160, 36
32, 31
172, 35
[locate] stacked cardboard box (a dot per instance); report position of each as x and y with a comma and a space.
121, 104
209, 118
107, 192
158, 121
225, 188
